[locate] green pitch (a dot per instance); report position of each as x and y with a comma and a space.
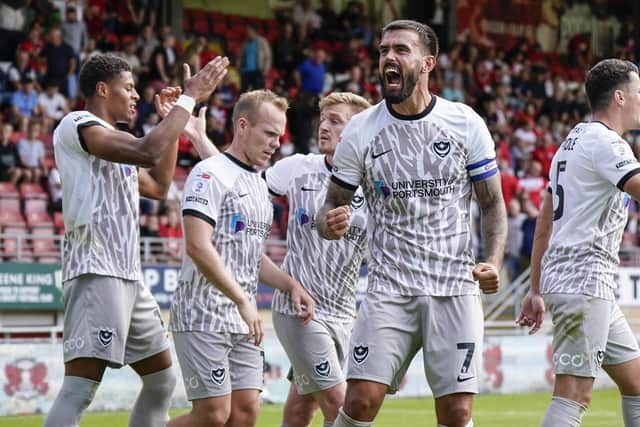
524, 410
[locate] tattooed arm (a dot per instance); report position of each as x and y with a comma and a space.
333, 217
494, 232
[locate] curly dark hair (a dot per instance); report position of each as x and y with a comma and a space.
100, 68
606, 77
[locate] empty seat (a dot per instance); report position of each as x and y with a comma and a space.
8, 189
39, 219
35, 205
30, 190
11, 217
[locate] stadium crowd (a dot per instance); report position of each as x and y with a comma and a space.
528, 98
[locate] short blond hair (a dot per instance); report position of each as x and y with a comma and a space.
249, 103
356, 102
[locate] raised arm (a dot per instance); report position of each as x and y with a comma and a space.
333, 216
122, 147
494, 232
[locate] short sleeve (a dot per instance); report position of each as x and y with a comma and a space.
202, 196
615, 162
280, 175
69, 131
481, 162
348, 166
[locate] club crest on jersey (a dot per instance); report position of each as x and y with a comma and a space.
105, 336
218, 375
357, 202
360, 354
441, 148
323, 368
237, 223
303, 217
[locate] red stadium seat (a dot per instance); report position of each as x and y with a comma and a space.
10, 204
35, 205
11, 218
8, 189
38, 219
30, 190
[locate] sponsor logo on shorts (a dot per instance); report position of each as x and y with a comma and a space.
73, 344
566, 359
193, 382
360, 354
218, 375
323, 368
105, 336
465, 377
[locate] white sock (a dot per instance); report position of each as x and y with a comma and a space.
563, 413
74, 397
152, 405
631, 411
345, 420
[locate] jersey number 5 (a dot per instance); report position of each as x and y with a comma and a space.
557, 212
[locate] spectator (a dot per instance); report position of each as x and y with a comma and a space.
147, 11
543, 152
287, 51
24, 103
33, 44
509, 182
304, 16
31, 151
19, 70
10, 169
74, 31
513, 248
309, 78
12, 21
94, 21
61, 62
254, 60
217, 120
329, 20
533, 184
173, 232
162, 67
145, 106
55, 191
53, 106
129, 54
455, 91
146, 44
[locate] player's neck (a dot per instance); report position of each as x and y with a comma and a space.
236, 151
609, 120
415, 104
100, 110
328, 159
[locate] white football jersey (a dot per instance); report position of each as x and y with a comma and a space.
328, 269
588, 173
100, 206
234, 199
416, 174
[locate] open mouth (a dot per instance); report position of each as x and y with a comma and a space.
392, 77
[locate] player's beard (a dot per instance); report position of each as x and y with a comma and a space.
407, 85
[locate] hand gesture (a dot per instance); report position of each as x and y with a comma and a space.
338, 222
532, 312
303, 303
166, 99
249, 314
200, 86
487, 276
164, 102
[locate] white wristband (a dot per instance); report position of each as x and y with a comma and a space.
186, 102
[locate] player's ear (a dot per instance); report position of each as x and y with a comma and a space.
102, 89
619, 97
428, 63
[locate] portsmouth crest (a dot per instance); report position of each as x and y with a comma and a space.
323, 368
218, 375
105, 336
360, 354
441, 148
357, 202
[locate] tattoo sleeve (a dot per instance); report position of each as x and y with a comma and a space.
336, 196
494, 218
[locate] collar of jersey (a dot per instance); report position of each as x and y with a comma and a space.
326, 163
412, 116
598, 121
239, 163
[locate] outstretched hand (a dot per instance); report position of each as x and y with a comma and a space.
532, 312
200, 86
